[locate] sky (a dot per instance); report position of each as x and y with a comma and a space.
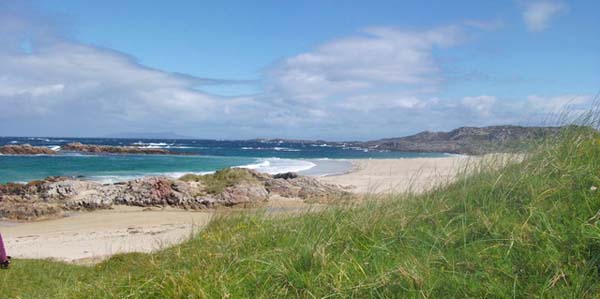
334, 70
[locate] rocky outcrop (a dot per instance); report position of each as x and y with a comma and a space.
54, 196
25, 149
162, 191
107, 149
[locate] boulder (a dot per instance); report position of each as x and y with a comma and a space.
286, 176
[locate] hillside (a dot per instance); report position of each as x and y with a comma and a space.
465, 140
527, 230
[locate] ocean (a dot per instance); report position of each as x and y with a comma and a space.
318, 159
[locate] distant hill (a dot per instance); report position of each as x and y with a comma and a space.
149, 135
464, 140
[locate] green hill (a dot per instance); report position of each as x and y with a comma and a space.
527, 230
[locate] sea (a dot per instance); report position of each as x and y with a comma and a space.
202, 157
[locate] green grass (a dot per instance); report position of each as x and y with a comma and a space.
527, 230
215, 183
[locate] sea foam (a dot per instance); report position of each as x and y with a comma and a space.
278, 165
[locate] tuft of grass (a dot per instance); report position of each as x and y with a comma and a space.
530, 229
215, 183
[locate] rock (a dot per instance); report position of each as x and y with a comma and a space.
282, 187
63, 189
17, 208
305, 188
286, 176
244, 192
152, 191
25, 149
55, 195
92, 148
92, 199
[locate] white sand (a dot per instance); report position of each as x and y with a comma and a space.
90, 237
399, 175
96, 235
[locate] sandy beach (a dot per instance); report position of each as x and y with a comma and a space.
92, 236
399, 175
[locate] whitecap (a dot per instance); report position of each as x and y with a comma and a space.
278, 165
286, 149
111, 179
158, 145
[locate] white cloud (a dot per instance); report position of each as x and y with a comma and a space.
59, 86
378, 57
67, 76
481, 104
378, 101
538, 14
559, 104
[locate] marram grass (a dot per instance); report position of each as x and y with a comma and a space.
530, 229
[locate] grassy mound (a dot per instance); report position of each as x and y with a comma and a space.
527, 230
221, 179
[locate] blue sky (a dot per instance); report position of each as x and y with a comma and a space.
304, 69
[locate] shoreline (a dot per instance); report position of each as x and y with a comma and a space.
90, 237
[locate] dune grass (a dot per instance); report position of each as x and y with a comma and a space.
530, 229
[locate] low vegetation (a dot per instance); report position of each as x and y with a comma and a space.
527, 230
221, 179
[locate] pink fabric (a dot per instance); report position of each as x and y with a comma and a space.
3, 257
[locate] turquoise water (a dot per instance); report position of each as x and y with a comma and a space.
110, 167
206, 156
